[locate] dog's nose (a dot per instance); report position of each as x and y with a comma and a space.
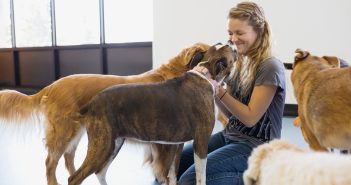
233, 47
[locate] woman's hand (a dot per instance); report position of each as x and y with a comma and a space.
206, 73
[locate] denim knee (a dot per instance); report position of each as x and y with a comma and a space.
225, 178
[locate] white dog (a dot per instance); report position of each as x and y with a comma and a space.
281, 163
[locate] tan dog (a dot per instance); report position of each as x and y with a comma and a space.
281, 163
323, 90
170, 112
60, 103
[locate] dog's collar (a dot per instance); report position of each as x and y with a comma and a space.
200, 74
204, 77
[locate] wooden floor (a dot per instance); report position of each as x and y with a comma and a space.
22, 159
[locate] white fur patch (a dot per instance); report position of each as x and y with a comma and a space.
74, 142
219, 46
200, 169
159, 142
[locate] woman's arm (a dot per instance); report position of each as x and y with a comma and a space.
249, 115
222, 108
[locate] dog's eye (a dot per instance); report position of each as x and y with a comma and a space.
221, 64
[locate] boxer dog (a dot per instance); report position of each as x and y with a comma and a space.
169, 112
322, 90
60, 103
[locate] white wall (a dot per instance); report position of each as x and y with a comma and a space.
321, 26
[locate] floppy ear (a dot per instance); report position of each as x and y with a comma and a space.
333, 61
198, 56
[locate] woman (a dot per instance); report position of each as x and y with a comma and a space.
253, 101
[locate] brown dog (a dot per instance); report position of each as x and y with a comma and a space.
170, 112
323, 90
60, 103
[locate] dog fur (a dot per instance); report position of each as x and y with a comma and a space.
171, 112
322, 90
282, 163
60, 103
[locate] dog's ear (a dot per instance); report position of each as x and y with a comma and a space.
198, 56
332, 61
300, 54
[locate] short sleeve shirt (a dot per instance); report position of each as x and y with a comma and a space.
269, 72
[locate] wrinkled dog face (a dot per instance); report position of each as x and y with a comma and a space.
219, 60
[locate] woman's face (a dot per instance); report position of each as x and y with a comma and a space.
241, 34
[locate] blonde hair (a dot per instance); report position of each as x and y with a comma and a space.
246, 66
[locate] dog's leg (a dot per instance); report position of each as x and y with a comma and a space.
200, 168
70, 152
163, 156
172, 174
311, 139
57, 143
51, 165
101, 147
102, 173
200, 159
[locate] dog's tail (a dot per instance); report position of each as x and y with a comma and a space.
16, 107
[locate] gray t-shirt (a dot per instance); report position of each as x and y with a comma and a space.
270, 72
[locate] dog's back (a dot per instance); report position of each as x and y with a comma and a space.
151, 112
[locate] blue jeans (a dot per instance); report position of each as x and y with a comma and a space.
226, 162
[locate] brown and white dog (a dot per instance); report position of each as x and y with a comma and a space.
282, 163
169, 112
60, 103
322, 90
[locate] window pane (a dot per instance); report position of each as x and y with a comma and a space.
5, 24
128, 21
32, 23
77, 22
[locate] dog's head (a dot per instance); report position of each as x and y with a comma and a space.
189, 57
302, 56
306, 63
219, 60
261, 153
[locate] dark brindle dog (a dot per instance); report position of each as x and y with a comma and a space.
170, 112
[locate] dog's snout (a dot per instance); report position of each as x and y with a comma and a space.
233, 48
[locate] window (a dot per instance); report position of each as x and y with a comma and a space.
5, 24
32, 23
77, 22
128, 21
